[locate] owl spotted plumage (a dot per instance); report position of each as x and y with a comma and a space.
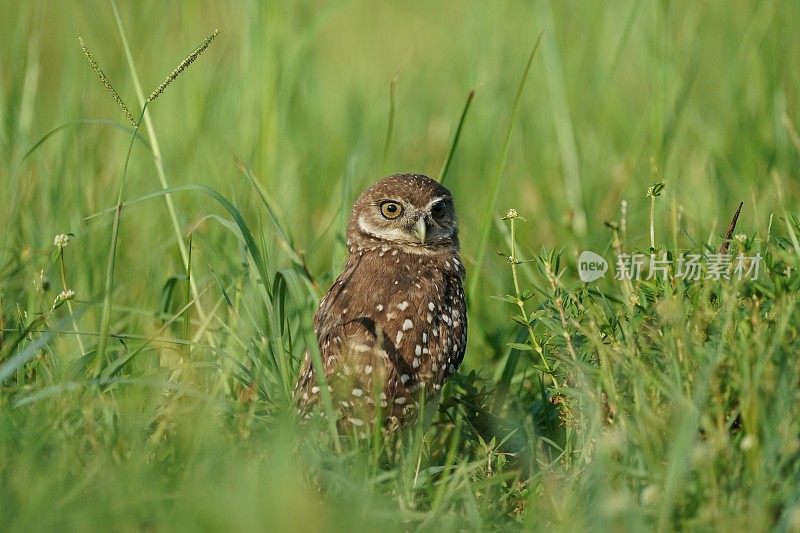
393, 327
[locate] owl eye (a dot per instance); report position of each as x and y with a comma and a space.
391, 210
438, 209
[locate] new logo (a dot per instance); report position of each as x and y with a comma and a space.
591, 266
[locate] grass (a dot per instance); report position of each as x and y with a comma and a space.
159, 395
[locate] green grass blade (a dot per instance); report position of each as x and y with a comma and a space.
387, 144
105, 317
475, 275
259, 260
456, 137
75, 123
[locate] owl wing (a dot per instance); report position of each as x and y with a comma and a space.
357, 359
454, 319
356, 355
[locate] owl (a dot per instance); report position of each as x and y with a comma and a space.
393, 326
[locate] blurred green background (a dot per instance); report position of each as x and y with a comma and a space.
299, 91
621, 94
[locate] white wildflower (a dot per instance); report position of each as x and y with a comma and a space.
61, 240
63, 296
748, 443
650, 495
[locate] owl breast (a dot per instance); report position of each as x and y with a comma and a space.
391, 330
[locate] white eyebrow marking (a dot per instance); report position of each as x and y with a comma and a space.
436, 200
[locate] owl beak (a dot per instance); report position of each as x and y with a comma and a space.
420, 229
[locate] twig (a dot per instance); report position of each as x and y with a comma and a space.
723, 249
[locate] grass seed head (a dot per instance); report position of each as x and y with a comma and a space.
183, 65
107, 84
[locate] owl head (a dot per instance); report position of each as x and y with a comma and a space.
409, 210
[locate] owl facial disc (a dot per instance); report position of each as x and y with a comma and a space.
409, 210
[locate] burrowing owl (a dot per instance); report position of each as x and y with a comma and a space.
393, 327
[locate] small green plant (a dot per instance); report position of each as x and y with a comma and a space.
653, 192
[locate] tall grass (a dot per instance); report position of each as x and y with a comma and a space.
158, 395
